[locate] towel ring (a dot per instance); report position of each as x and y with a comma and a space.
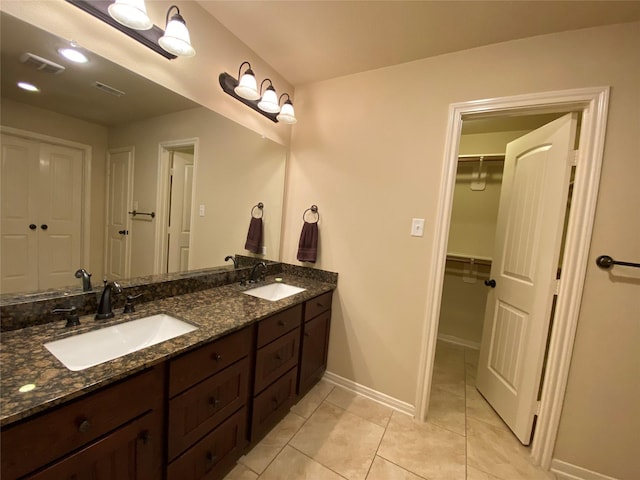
259, 206
312, 209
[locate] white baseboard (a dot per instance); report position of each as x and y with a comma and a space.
567, 471
459, 341
370, 393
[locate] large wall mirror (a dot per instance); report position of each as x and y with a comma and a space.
98, 142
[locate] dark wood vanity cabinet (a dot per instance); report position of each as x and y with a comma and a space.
314, 342
207, 418
276, 369
115, 432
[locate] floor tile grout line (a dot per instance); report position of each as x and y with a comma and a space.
318, 462
375, 454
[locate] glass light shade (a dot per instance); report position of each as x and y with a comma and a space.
176, 39
247, 88
131, 13
269, 102
287, 114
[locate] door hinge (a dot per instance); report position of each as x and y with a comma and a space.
557, 288
573, 157
538, 406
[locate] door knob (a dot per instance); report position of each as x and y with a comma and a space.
123, 232
33, 226
490, 283
44, 226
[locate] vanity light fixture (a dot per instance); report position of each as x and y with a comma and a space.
170, 44
246, 91
269, 101
176, 38
130, 13
286, 114
247, 87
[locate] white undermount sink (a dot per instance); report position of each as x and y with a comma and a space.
92, 348
274, 291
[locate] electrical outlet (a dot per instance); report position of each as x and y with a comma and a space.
202, 210
417, 227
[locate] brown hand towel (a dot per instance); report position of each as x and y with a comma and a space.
308, 245
254, 236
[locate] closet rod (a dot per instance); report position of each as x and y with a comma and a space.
476, 158
466, 259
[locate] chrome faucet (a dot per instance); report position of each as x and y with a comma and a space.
253, 272
105, 310
86, 279
231, 257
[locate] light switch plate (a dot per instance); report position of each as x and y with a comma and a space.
417, 227
202, 210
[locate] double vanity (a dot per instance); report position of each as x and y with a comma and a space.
183, 408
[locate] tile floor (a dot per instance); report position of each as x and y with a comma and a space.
334, 434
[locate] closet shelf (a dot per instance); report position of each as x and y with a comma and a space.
455, 257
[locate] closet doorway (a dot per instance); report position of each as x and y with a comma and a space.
592, 104
503, 256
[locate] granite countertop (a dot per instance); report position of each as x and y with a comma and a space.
218, 311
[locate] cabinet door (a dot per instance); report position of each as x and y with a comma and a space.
197, 411
313, 360
276, 358
133, 452
215, 454
273, 404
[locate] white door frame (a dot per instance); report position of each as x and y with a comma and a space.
86, 150
162, 194
593, 103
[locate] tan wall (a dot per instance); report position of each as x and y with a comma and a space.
372, 166
45, 122
217, 51
235, 169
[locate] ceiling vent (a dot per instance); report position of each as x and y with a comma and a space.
41, 64
107, 89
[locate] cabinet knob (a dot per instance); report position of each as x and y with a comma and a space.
211, 460
213, 402
84, 426
217, 357
44, 226
145, 437
275, 402
280, 323
32, 226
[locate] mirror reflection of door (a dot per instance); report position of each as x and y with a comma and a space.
179, 226
119, 203
41, 241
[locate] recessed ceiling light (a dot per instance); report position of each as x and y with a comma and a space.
29, 87
74, 55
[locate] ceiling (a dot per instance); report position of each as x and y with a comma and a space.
72, 92
309, 41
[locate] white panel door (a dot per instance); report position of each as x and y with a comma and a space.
60, 206
19, 235
180, 212
119, 200
533, 200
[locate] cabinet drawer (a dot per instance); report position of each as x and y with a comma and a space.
276, 358
195, 366
273, 404
132, 452
214, 454
273, 327
41, 440
313, 360
198, 410
316, 306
